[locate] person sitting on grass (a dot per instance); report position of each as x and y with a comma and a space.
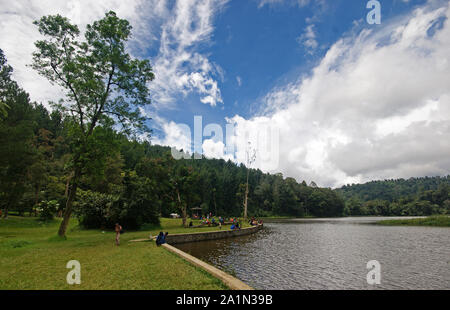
160, 239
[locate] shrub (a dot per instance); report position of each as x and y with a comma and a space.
47, 209
135, 206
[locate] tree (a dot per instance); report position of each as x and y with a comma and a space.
101, 81
3, 110
185, 182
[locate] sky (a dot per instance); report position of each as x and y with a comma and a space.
320, 93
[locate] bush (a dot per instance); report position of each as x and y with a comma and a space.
93, 209
47, 209
135, 206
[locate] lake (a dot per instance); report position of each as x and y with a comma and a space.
332, 254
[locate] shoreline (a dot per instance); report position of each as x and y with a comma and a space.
430, 221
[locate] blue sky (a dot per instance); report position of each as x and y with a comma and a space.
341, 100
260, 46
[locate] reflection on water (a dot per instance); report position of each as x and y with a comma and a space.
332, 254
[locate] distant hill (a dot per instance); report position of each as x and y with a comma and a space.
391, 190
415, 196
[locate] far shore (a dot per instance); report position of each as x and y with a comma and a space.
435, 221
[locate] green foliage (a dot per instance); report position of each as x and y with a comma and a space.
16, 134
99, 76
135, 206
415, 196
93, 209
48, 209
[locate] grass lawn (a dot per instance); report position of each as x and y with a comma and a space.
438, 221
33, 257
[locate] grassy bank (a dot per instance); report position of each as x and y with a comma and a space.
32, 257
437, 221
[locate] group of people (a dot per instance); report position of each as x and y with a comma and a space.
210, 220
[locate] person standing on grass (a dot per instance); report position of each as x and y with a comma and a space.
118, 229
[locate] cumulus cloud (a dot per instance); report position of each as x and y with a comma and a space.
376, 106
175, 135
215, 149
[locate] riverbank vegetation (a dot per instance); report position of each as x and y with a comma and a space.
32, 257
413, 197
438, 221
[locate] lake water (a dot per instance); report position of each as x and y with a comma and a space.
332, 254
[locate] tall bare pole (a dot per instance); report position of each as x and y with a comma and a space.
251, 157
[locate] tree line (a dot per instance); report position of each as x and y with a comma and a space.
414, 196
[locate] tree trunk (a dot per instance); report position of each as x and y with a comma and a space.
36, 199
215, 204
183, 209
68, 210
184, 214
246, 199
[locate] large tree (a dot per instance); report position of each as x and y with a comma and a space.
102, 82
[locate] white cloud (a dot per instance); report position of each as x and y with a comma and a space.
178, 27
376, 106
175, 135
179, 68
215, 149
308, 39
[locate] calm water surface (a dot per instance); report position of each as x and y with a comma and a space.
332, 254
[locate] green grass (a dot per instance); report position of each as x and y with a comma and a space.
33, 257
437, 221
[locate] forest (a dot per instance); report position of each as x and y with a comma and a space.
414, 196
